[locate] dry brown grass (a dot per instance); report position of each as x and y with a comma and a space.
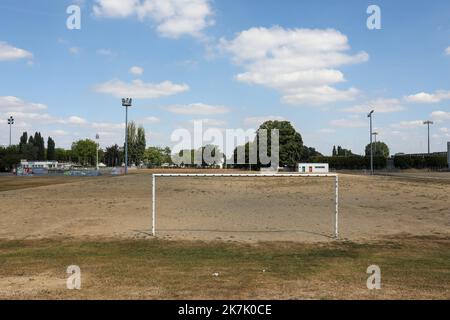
415, 268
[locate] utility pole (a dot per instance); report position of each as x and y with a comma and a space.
428, 122
10, 122
126, 102
97, 137
371, 144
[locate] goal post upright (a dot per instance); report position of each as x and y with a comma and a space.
336, 215
262, 175
154, 205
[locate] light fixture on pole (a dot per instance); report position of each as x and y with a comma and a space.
97, 137
10, 122
126, 102
428, 122
371, 144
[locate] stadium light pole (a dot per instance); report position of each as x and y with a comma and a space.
126, 102
97, 137
371, 144
10, 122
428, 122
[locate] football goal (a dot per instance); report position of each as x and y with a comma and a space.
333, 210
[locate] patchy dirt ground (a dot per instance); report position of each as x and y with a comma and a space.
266, 238
229, 209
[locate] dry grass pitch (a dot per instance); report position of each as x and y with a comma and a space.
268, 238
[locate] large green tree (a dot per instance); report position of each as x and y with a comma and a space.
85, 151
113, 157
51, 155
63, 155
136, 143
140, 145
40, 145
380, 149
23, 140
155, 156
9, 157
291, 149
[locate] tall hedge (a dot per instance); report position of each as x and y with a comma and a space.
352, 162
420, 162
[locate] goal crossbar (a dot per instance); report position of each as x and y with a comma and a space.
261, 175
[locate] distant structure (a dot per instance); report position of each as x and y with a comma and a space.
39, 164
313, 168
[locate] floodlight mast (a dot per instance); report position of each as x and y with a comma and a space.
10, 122
371, 144
126, 102
428, 122
97, 137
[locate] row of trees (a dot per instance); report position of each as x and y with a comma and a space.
380, 149
291, 151
31, 148
341, 152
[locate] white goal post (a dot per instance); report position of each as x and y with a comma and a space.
263, 175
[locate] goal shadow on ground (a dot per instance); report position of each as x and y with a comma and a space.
149, 233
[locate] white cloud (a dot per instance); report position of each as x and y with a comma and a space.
174, 18
300, 63
424, 97
137, 71
148, 120
10, 103
209, 122
257, 121
74, 120
34, 117
440, 116
318, 95
379, 105
349, 123
8, 52
108, 125
59, 133
327, 130
106, 52
140, 90
197, 109
74, 50
408, 124
447, 51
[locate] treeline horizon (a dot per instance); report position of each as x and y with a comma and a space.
84, 152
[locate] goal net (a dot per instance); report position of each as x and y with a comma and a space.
249, 206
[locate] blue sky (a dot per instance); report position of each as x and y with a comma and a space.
231, 63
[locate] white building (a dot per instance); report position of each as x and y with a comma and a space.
313, 168
39, 164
